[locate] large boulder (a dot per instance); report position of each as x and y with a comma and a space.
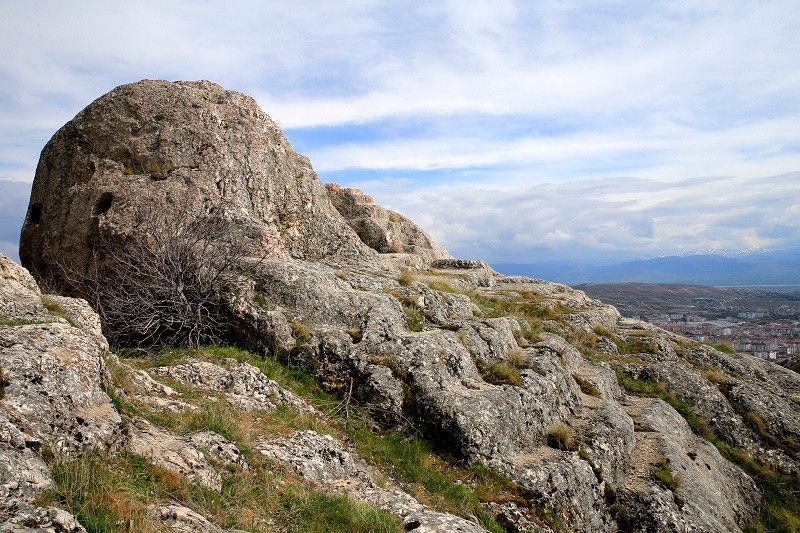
189, 147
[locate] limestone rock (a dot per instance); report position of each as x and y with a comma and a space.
194, 455
50, 394
322, 459
383, 230
244, 385
484, 365
189, 146
182, 519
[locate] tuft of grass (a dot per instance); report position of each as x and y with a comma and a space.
666, 476
560, 437
301, 333
157, 170
260, 300
437, 481
415, 318
499, 372
111, 493
355, 333
55, 308
724, 348
406, 277
716, 376
442, 286
517, 358
636, 344
780, 510
18, 322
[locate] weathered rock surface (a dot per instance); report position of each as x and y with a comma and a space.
383, 230
193, 456
322, 459
244, 386
51, 395
512, 372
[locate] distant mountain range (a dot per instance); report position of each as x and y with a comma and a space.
754, 269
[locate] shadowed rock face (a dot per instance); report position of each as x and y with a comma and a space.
488, 366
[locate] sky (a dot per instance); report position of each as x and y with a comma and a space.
513, 132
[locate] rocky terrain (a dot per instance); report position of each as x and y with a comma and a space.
531, 406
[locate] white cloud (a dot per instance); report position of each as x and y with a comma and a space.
511, 97
609, 217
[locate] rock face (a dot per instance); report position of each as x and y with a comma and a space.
381, 229
50, 395
555, 390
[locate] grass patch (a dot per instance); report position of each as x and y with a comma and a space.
415, 318
157, 170
442, 286
433, 477
406, 277
301, 333
724, 348
18, 322
780, 510
111, 493
586, 386
666, 476
526, 306
443, 484
499, 372
55, 308
561, 438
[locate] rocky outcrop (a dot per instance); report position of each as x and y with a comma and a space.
383, 230
51, 394
605, 422
322, 459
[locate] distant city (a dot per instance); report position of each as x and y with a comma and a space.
760, 322
755, 332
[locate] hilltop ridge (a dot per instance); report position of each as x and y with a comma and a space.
585, 420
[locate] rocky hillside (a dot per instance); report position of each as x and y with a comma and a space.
369, 381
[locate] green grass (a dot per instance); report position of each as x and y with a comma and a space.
442, 286
666, 476
415, 318
301, 333
724, 348
111, 493
55, 308
406, 277
560, 437
444, 484
18, 322
434, 478
636, 345
586, 386
499, 372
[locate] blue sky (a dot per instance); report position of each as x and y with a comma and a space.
511, 131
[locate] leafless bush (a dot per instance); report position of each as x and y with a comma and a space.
165, 283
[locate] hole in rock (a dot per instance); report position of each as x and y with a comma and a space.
103, 203
35, 216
